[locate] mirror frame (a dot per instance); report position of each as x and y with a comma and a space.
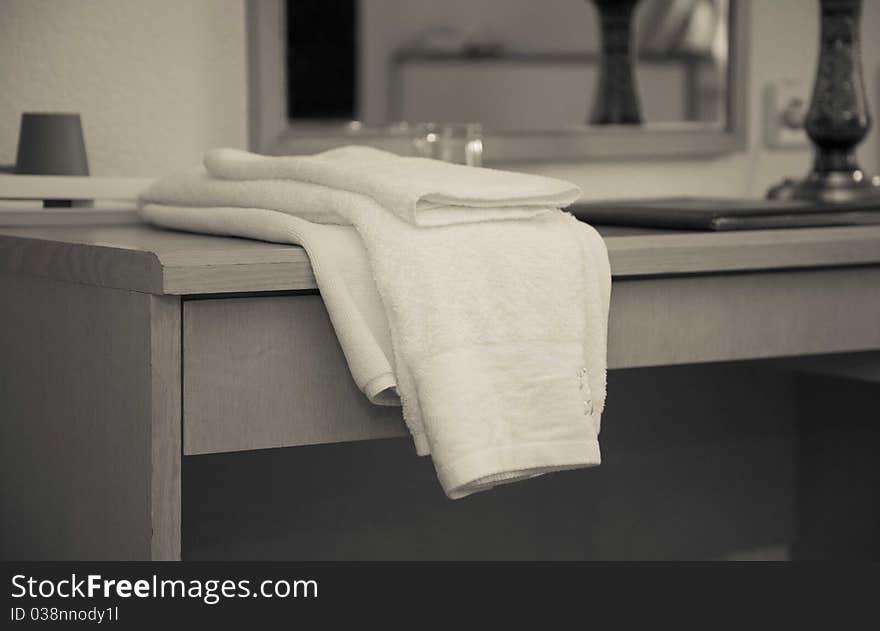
271, 132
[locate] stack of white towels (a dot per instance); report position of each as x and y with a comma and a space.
465, 294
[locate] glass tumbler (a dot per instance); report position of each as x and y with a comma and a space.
459, 143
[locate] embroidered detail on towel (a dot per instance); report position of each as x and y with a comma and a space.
584, 387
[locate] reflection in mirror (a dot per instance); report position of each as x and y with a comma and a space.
512, 65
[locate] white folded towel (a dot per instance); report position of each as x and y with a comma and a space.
497, 329
421, 191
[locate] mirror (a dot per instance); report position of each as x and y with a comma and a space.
528, 71
512, 65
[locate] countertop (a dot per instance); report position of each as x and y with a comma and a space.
114, 249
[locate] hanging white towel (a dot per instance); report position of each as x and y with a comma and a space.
339, 263
497, 328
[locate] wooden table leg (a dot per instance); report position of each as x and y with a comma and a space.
90, 422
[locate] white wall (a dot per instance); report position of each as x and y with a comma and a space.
156, 82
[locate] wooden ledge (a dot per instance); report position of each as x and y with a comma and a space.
114, 249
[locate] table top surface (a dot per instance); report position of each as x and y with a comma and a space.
114, 249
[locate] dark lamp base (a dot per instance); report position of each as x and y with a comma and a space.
832, 187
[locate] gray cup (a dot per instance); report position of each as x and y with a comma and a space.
51, 143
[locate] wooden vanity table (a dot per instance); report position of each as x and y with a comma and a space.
126, 348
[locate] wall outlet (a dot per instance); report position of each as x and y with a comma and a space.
785, 106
